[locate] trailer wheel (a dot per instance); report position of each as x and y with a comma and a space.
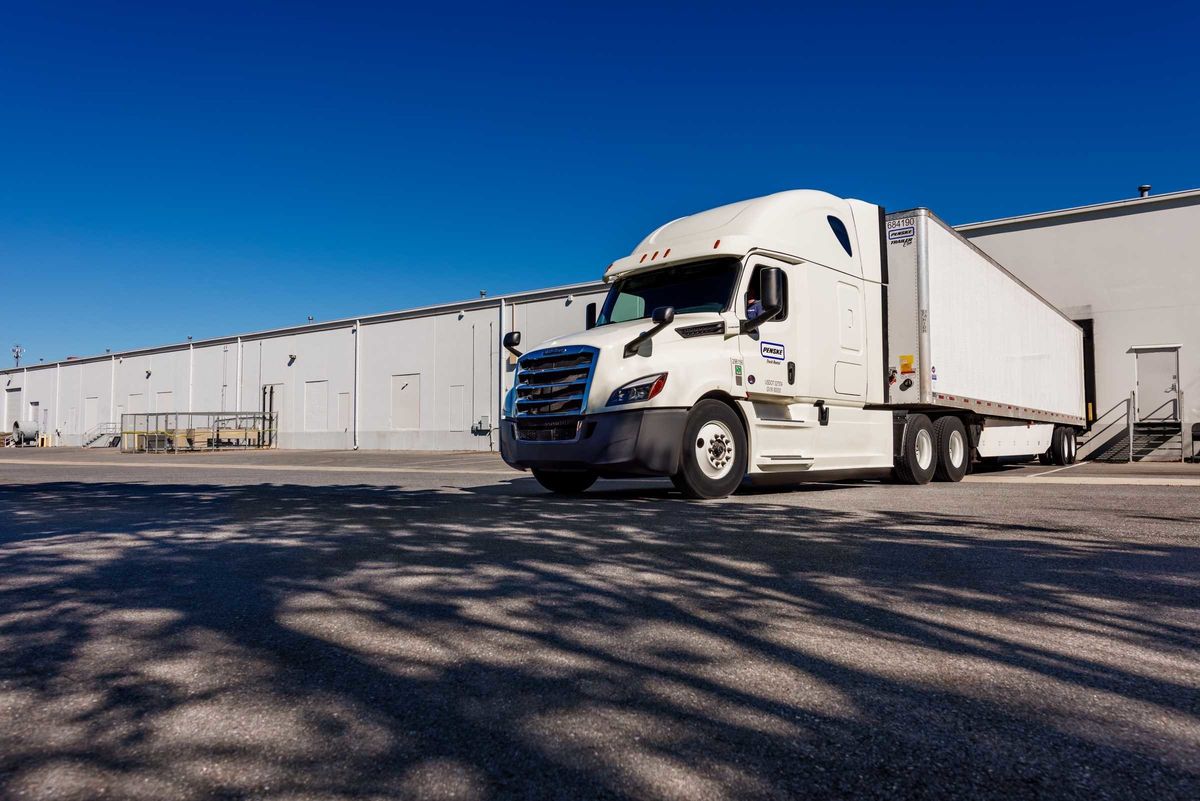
713, 459
565, 482
1062, 446
918, 454
953, 453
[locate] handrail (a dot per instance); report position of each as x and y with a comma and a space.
99, 430
1174, 418
1094, 433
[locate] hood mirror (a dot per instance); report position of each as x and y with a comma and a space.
511, 340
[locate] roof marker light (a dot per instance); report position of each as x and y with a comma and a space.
655, 256
716, 244
642, 259
666, 253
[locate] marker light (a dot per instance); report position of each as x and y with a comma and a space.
638, 390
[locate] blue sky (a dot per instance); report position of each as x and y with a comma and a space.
202, 169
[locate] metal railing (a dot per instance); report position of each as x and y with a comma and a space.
98, 432
181, 432
1116, 426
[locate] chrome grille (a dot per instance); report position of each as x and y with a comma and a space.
551, 391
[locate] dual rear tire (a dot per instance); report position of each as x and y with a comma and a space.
933, 449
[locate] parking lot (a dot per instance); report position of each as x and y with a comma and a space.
320, 625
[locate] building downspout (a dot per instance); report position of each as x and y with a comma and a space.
499, 418
57, 381
237, 402
191, 374
357, 331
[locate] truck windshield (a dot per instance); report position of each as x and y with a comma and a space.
702, 286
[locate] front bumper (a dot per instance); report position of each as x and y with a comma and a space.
635, 442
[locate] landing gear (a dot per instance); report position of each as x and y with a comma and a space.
713, 460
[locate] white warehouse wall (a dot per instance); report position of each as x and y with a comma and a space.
1133, 269
448, 358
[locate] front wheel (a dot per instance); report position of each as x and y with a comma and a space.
714, 458
564, 482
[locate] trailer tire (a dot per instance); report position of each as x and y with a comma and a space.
713, 460
1062, 446
565, 482
953, 452
918, 453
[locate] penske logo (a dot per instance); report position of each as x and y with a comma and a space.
771, 351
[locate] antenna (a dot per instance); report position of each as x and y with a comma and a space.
17, 351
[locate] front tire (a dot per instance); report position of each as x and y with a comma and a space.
918, 452
713, 459
563, 482
953, 453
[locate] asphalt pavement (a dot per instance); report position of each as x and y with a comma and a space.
292, 625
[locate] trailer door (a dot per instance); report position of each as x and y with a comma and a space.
770, 353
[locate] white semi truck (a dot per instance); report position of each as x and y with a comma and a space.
798, 336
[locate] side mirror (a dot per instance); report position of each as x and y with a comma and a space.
661, 317
771, 286
771, 289
511, 340
590, 316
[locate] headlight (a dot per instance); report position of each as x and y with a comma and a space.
640, 389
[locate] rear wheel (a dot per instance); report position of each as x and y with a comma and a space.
918, 454
713, 459
950, 438
1062, 446
565, 482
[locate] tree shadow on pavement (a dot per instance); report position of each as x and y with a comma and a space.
355, 642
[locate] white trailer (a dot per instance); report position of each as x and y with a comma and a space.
965, 333
798, 336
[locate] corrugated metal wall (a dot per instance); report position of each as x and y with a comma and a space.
426, 379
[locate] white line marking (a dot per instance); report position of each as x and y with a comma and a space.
1055, 470
1147, 481
167, 463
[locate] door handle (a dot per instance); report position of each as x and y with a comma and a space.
791, 372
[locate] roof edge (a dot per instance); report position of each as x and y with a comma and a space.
493, 301
1074, 210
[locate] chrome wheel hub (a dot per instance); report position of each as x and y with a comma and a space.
714, 449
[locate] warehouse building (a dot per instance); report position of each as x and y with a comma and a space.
433, 378
1129, 273
424, 379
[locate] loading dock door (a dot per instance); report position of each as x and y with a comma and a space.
91, 413
406, 401
316, 405
12, 409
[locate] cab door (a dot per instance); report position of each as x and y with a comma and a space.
769, 353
